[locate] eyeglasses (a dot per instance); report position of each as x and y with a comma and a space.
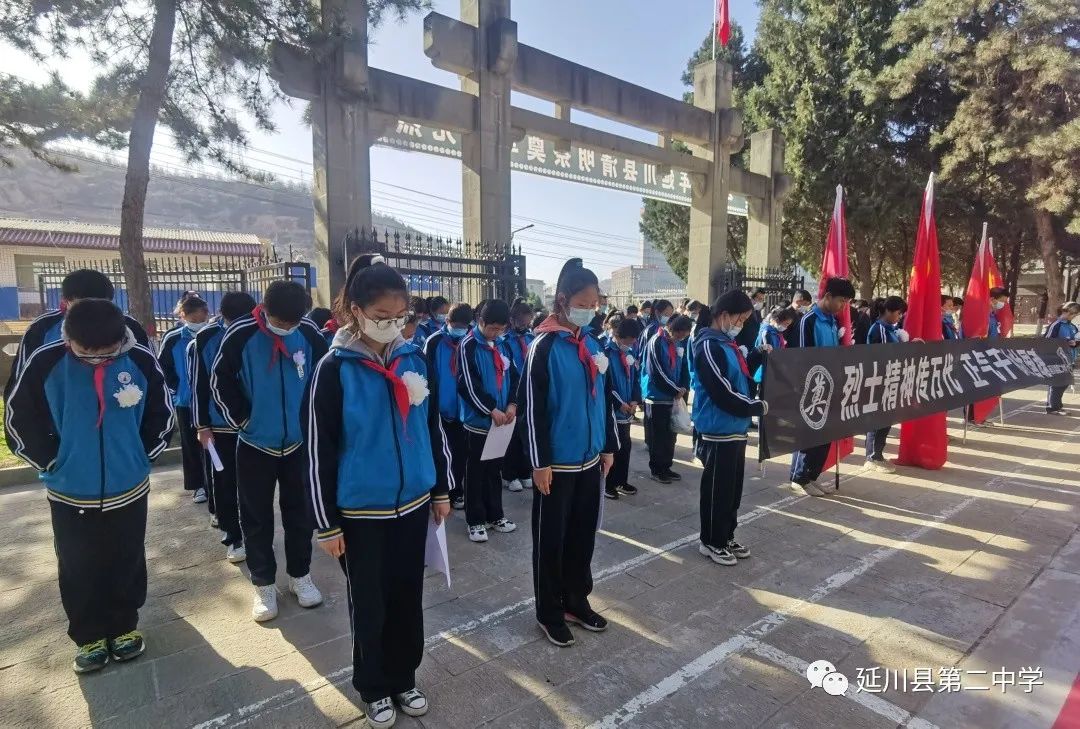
396, 322
96, 358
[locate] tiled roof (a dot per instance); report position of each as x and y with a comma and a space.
101, 236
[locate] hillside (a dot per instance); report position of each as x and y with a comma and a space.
280, 212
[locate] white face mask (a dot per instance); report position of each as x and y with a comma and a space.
580, 317
999, 305
782, 329
195, 326
382, 335
281, 332
758, 305
733, 331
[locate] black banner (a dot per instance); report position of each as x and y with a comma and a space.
819, 395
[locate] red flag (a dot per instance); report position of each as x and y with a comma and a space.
723, 23
923, 442
835, 265
976, 314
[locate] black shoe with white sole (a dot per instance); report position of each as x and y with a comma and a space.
381, 713
737, 549
660, 477
588, 619
412, 702
627, 490
611, 493
559, 634
720, 555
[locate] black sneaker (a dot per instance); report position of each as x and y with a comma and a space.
737, 549
559, 634
720, 555
127, 646
611, 493
91, 656
458, 503
627, 490
660, 477
672, 476
588, 619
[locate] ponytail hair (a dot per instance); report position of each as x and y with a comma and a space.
573, 279
520, 308
369, 278
734, 301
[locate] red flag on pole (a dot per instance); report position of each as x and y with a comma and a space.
976, 312
723, 23
923, 442
835, 265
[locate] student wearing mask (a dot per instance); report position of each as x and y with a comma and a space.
379, 474
801, 305
723, 407
173, 358
210, 424
487, 389
419, 317
625, 375
517, 473
320, 316
84, 283
258, 380
90, 412
1062, 328
664, 379
571, 438
441, 352
819, 328
632, 312
884, 330
748, 335
438, 308
772, 336
950, 327
999, 297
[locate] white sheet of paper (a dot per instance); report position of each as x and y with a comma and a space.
214, 457
498, 440
435, 554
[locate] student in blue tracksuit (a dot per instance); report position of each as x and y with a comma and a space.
379, 473
441, 352
90, 412
320, 316
773, 336
571, 438
1062, 328
999, 297
258, 379
172, 356
723, 407
84, 283
517, 473
884, 330
438, 309
950, 329
662, 312
819, 328
665, 377
625, 376
210, 424
487, 390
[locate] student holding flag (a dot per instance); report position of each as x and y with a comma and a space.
571, 439
378, 475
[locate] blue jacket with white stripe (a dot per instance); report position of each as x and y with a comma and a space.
205, 412
1063, 329
722, 403
818, 329
52, 423
441, 352
172, 356
882, 332
623, 370
661, 374
479, 390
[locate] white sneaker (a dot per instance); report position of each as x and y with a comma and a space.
809, 489
478, 533
526, 483
306, 593
412, 702
199, 497
827, 487
881, 466
214, 521
236, 553
381, 713
503, 526
265, 605
514, 485
1058, 412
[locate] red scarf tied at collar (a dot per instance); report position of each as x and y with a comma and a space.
99, 389
500, 366
401, 390
278, 343
552, 324
625, 364
332, 326
453, 345
670, 347
739, 356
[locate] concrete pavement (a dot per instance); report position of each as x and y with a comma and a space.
974, 568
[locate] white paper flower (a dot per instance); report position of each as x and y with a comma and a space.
745, 353
840, 332
128, 396
299, 358
505, 361
418, 389
630, 360
680, 351
601, 361
902, 335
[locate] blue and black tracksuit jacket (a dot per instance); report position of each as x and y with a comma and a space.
478, 386
205, 412
93, 449
818, 329
173, 358
365, 461
441, 351
723, 406
568, 421
664, 371
882, 332
1063, 329
624, 372
258, 393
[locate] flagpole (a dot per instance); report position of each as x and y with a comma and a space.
715, 25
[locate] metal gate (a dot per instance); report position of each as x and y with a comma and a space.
458, 270
780, 284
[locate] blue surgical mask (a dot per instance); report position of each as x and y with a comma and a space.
441, 318
457, 332
580, 317
281, 332
664, 320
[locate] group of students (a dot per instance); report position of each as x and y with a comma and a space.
373, 426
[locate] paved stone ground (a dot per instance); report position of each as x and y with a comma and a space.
976, 567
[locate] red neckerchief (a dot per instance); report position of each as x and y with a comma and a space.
552, 324
453, 344
523, 346
99, 389
497, 362
401, 390
670, 347
625, 364
278, 343
332, 326
739, 356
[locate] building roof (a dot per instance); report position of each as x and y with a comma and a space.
102, 236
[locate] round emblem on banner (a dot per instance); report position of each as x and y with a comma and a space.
816, 396
123, 378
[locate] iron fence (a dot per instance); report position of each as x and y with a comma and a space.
433, 266
210, 276
780, 283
